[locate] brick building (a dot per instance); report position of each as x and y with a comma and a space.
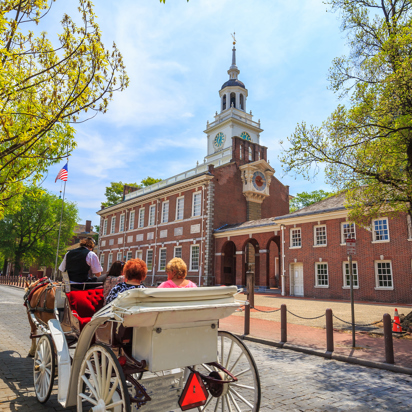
177, 216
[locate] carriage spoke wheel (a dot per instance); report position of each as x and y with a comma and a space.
44, 368
241, 396
102, 386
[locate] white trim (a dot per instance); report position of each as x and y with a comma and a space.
239, 252
147, 259
380, 241
342, 238
122, 218
132, 213
181, 251
263, 251
374, 232
149, 223
193, 203
160, 258
344, 263
291, 237
191, 255
166, 202
315, 240
141, 218
113, 225
376, 275
105, 227
316, 275
177, 208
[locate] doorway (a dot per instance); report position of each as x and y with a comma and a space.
297, 279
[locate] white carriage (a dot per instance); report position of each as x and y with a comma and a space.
148, 350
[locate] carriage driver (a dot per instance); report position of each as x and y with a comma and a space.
78, 262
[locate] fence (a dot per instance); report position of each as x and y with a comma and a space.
18, 281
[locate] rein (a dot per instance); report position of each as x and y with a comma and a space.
29, 294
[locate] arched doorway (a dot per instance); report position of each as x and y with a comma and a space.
229, 264
251, 260
273, 263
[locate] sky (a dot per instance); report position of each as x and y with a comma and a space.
177, 56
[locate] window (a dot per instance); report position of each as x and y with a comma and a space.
322, 278
162, 259
320, 235
152, 211
196, 204
178, 252
380, 230
348, 231
113, 224
139, 254
383, 271
194, 257
131, 221
346, 277
250, 154
129, 255
105, 227
165, 212
119, 256
109, 261
121, 226
141, 217
180, 204
295, 238
149, 259
240, 152
102, 259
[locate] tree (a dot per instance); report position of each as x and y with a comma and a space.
29, 233
365, 146
305, 199
114, 192
47, 86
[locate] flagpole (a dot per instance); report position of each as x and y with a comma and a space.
60, 228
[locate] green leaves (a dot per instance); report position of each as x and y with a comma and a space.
366, 146
44, 90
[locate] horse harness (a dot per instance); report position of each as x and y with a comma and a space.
29, 294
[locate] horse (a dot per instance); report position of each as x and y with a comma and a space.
39, 300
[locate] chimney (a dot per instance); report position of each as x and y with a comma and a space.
88, 226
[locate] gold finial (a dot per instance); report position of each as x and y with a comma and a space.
234, 38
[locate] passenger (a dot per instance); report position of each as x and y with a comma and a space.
176, 273
113, 277
134, 271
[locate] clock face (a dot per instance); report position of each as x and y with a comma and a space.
246, 136
219, 140
259, 181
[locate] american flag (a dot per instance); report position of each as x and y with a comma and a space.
62, 175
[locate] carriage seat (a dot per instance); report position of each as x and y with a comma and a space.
85, 303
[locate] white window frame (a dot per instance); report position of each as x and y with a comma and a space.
192, 247
181, 198
105, 227
147, 259
342, 231
129, 253
102, 259
194, 205
355, 276
141, 217
131, 220
291, 238
139, 254
250, 154
165, 211
181, 251
152, 215
121, 223
375, 240
113, 225
315, 238
109, 261
376, 265
162, 249
121, 255
317, 264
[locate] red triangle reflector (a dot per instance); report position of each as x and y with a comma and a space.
194, 394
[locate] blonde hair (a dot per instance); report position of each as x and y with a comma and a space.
178, 267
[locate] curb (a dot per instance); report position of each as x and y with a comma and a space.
329, 355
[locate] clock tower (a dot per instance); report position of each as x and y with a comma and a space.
232, 119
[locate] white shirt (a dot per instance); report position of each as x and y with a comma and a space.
91, 259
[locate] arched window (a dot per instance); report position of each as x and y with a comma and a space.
232, 99
241, 150
242, 106
224, 102
259, 155
250, 154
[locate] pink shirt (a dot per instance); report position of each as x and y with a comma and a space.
171, 284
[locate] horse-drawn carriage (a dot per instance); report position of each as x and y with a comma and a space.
148, 350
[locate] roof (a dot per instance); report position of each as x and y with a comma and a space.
82, 229
329, 204
233, 83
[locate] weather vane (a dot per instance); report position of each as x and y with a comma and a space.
234, 38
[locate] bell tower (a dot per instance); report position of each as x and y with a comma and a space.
232, 119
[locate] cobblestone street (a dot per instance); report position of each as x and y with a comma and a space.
291, 381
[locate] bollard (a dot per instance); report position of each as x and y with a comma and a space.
329, 330
387, 333
247, 319
283, 324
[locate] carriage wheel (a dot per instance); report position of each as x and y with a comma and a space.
241, 396
102, 385
44, 368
